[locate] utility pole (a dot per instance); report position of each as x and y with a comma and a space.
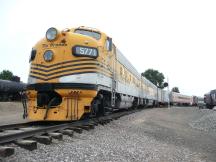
157, 95
168, 92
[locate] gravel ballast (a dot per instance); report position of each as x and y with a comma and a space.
136, 137
207, 122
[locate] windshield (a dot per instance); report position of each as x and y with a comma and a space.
89, 33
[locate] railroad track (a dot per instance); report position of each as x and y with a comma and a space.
27, 135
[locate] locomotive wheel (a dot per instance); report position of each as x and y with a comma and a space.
98, 106
101, 110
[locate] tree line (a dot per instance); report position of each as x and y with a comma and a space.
157, 78
8, 75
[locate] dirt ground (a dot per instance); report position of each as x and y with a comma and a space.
11, 112
172, 126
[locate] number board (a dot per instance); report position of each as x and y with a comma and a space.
83, 51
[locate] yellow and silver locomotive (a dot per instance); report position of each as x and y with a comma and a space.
78, 72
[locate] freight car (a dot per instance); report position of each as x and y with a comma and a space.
10, 90
210, 99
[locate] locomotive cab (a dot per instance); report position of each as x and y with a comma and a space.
65, 72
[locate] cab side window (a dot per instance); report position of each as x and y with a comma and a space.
109, 44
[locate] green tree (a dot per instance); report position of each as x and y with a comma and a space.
6, 75
175, 89
155, 77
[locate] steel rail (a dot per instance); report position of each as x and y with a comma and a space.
38, 131
43, 129
15, 125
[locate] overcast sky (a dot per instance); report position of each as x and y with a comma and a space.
178, 38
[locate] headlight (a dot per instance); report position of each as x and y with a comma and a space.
51, 34
48, 55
